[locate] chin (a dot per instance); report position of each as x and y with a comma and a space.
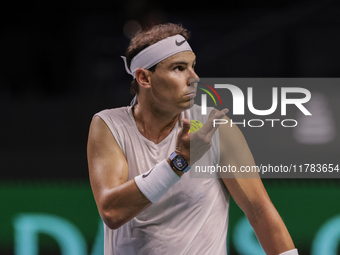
188, 104
192, 102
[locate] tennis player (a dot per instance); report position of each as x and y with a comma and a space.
139, 157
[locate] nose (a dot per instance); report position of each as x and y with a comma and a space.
194, 78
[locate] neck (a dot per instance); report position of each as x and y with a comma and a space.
154, 123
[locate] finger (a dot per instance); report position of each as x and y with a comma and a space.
185, 127
209, 126
215, 124
212, 113
225, 111
219, 115
212, 126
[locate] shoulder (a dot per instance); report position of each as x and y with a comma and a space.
233, 143
116, 116
108, 124
114, 112
230, 132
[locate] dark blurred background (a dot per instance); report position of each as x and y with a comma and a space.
60, 64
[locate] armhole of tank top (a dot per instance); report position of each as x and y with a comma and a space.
112, 127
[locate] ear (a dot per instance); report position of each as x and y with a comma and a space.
143, 77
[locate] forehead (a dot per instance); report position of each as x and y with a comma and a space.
184, 56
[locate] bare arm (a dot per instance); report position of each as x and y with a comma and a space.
250, 194
117, 199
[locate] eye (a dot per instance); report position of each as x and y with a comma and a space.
179, 68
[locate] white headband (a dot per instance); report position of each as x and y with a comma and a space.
157, 52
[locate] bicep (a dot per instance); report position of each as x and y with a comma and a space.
107, 164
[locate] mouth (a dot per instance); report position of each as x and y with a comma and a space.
192, 95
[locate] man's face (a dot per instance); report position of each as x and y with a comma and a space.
170, 83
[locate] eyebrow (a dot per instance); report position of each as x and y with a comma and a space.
182, 63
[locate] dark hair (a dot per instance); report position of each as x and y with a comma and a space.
147, 37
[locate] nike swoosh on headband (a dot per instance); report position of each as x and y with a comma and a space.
145, 175
157, 52
179, 43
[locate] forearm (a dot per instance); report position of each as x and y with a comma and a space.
122, 203
129, 199
271, 231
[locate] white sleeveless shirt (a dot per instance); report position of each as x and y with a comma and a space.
191, 218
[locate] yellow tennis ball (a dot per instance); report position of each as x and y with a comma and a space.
195, 125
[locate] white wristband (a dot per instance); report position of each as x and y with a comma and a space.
290, 252
157, 181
